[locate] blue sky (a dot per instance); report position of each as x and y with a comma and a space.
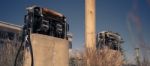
110, 15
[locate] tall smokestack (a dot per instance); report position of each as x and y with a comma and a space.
90, 39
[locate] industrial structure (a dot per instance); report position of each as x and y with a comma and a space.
45, 35
109, 39
108, 45
46, 21
69, 38
90, 40
9, 32
137, 53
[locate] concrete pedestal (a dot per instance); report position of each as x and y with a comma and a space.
48, 51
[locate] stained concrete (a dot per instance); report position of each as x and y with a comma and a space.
48, 51
90, 20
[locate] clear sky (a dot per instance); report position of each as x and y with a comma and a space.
130, 18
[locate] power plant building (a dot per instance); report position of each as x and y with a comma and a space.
109, 39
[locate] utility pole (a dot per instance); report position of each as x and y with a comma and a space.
90, 39
137, 57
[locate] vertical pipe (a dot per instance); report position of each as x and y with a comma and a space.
90, 37
137, 56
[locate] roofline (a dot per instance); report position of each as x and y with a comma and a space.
9, 26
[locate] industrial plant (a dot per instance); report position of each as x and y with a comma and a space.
45, 39
47, 30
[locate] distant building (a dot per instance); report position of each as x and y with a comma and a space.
10, 36
9, 32
109, 39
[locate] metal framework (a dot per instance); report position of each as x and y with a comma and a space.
42, 21
46, 21
109, 39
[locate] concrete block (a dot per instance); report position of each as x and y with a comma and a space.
48, 51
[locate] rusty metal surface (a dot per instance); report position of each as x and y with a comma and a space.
52, 12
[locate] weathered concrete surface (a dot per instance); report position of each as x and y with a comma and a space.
49, 51
90, 33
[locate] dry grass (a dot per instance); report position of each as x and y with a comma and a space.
8, 52
103, 57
